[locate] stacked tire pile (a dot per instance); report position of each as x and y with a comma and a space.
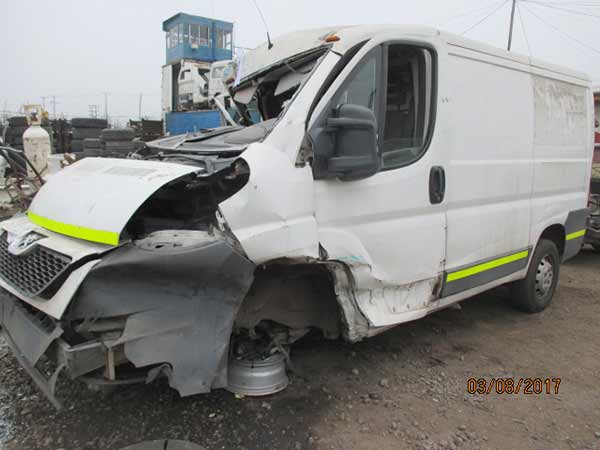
92, 147
85, 128
118, 142
14, 132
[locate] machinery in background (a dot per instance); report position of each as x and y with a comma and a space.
593, 228
199, 53
200, 85
147, 130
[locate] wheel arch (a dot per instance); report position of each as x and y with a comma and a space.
557, 234
304, 294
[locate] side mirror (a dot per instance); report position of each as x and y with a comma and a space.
346, 147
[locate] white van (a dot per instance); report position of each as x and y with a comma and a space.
396, 171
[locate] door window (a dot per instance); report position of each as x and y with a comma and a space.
361, 86
408, 106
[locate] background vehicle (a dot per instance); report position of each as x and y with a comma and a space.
198, 85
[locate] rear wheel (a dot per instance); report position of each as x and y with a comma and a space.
596, 247
534, 293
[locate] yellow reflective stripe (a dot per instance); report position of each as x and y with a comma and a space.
575, 235
88, 234
459, 275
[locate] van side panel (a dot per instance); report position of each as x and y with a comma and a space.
490, 168
563, 146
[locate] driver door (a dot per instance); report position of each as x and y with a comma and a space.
388, 228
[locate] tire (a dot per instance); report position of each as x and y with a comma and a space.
534, 293
92, 144
15, 132
596, 247
16, 140
92, 152
18, 121
120, 146
76, 146
89, 122
86, 133
118, 134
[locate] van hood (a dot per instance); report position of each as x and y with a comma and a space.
264, 57
94, 198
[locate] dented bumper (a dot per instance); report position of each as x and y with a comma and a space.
29, 339
176, 293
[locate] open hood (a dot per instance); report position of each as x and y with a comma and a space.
95, 198
264, 57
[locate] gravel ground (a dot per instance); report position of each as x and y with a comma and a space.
403, 389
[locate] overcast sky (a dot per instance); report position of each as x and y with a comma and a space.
78, 49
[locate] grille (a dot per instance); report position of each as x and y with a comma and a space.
33, 272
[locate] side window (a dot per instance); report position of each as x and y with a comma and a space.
361, 87
408, 105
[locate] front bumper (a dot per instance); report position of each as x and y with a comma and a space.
31, 335
176, 296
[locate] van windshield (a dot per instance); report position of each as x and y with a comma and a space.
274, 87
269, 91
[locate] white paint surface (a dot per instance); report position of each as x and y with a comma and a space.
102, 193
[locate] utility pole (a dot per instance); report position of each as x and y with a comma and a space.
512, 22
106, 94
53, 103
140, 105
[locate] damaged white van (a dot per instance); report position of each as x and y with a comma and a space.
397, 170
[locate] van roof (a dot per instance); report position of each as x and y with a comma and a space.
299, 42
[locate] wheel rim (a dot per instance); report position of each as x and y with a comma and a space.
544, 278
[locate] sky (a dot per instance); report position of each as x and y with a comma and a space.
78, 50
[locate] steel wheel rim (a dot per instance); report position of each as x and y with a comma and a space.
544, 277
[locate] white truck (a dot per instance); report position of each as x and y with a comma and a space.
397, 171
200, 83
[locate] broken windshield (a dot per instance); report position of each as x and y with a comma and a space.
272, 89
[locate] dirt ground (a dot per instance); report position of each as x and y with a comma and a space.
405, 389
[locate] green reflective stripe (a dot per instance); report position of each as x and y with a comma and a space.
88, 234
459, 275
575, 235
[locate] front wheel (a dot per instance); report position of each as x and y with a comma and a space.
534, 293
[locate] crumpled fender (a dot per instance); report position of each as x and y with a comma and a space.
180, 292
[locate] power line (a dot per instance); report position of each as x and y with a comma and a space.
494, 11
581, 4
554, 27
472, 11
524, 30
558, 8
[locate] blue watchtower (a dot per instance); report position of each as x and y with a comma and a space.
198, 38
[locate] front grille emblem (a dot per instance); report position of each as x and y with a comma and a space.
21, 245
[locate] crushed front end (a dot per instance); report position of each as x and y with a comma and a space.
159, 302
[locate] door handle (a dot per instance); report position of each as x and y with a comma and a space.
437, 185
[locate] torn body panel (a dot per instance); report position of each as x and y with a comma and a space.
272, 216
180, 292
